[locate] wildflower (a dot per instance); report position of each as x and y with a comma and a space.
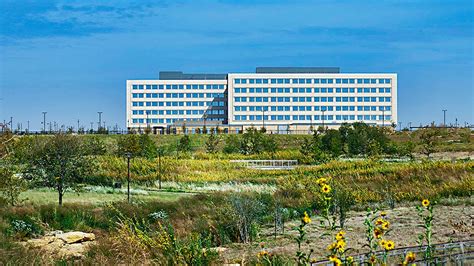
425, 203
385, 225
335, 260
383, 213
379, 221
321, 181
382, 243
325, 189
262, 253
340, 245
340, 235
350, 259
332, 246
410, 257
306, 219
372, 259
378, 232
389, 245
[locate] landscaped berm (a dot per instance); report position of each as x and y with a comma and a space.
359, 195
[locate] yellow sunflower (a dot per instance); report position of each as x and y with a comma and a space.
321, 181
410, 257
389, 245
425, 203
372, 259
379, 221
386, 225
378, 232
306, 219
326, 189
340, 235
383, 213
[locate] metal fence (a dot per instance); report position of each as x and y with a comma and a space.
451, 253
267, 164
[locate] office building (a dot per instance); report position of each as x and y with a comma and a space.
283, 100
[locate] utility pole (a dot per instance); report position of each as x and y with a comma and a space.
28, 129
383, 117
263, 118
409, 126
100, 120
44, 122
92, 126
77, 125
11, 123
444, 117
128, 155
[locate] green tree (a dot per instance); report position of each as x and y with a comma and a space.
11, 185
128, 144
232, 144
252, 142
212, 142
184, 144
147, 147
429, 140
94, 145
332, 142
61, 162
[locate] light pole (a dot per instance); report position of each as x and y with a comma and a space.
28, 129
100, 120
128, 155
204, 130
444, 117
160, 153
409, 126
78, 126
263, 119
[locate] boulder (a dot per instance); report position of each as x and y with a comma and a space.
76, 237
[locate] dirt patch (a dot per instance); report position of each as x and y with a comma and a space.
451, 223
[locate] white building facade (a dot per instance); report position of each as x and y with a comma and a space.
283, 100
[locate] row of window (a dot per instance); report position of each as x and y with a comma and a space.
310, 118
310, 108
178, 112
310, 99
311, 90
213, 103
171, 120
178, 87
315, 81
178, 95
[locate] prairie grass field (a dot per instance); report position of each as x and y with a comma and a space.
211, 211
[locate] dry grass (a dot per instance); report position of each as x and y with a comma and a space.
452, 223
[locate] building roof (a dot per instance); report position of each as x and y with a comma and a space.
282, 70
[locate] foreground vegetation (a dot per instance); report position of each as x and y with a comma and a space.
344, 176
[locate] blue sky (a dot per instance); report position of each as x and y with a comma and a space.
72, 58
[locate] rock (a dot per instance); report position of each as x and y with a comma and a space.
63, 245
76, 237
40, 242
73, 250
54, 233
